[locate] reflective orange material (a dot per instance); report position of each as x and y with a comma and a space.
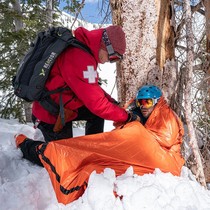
156, 146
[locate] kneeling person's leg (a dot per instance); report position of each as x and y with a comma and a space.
94, 123
50, 135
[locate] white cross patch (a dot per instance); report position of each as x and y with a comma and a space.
90, 74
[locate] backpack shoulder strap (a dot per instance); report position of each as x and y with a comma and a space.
78, 44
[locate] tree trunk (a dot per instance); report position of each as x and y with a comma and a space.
149, 57
19, 26
28, 111
187, 93
207, 14
18, 21
49, 12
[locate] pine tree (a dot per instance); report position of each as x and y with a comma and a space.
19, 25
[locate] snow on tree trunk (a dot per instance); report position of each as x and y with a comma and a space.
187, 93
149, 57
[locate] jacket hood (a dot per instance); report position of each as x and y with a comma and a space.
90, 38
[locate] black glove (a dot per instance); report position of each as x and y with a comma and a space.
131, 106
116, 102
132, 117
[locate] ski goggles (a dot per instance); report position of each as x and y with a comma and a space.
112, 55
146, 103
115, 57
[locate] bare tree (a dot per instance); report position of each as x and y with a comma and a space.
207, 15
199, 86
206, 150
187, 92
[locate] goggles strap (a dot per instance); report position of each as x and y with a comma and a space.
107, 42
155, 100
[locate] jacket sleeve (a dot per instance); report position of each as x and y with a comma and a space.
109, 97
81, 76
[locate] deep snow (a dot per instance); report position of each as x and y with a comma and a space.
25, 186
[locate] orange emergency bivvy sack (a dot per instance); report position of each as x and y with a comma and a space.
70, 162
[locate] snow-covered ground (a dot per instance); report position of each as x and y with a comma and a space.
25, 186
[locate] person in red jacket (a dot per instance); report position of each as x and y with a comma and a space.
85, 100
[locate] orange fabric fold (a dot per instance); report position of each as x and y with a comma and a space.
156, 146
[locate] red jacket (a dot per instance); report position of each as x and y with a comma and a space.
76, 69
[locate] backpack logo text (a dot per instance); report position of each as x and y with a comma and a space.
50, 60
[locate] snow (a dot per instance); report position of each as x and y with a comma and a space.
25, 186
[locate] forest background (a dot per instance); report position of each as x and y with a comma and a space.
168, 45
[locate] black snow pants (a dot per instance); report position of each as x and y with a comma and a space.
94, 124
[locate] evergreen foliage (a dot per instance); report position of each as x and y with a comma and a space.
13, 45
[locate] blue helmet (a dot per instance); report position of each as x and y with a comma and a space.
149, 91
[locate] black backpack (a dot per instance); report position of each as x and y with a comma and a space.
34, 69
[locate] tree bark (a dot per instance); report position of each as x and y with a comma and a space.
149, 57
207, 15
17, 9
19, 26
49, 12
187, 93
